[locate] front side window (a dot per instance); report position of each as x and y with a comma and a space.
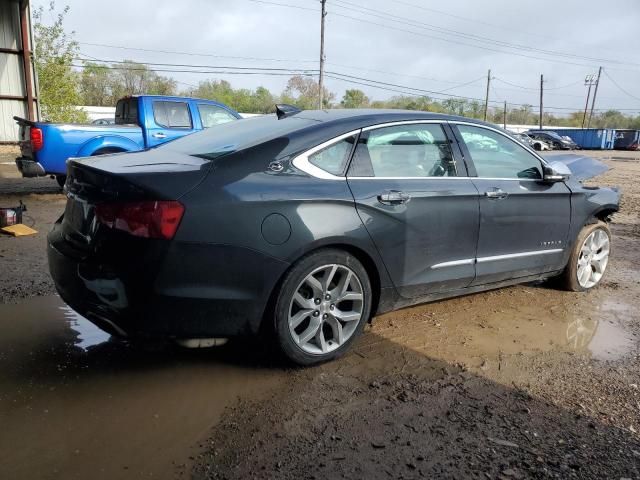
496, 156
419, 150
172, 114
333, 158
212, 115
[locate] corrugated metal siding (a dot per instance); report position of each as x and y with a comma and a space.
11, 75
8, 126
12, 80
10, 25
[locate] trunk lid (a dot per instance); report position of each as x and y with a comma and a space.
139, 176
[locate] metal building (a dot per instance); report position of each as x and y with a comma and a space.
17, 80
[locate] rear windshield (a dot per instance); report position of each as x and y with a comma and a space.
127, 111
233, 136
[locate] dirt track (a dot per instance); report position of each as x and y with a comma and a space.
517, 383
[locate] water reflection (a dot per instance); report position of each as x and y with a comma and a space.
88, 334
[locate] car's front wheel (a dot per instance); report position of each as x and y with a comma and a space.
589, 258
323, 305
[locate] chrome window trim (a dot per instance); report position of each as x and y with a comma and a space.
301, 162
504, 134
494, 258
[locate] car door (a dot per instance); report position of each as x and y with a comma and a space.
421, 210
524, 222
169, 120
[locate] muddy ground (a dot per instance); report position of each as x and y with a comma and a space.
524, 382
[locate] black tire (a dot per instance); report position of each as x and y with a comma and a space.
61, 179
290, 284
568, 280
107, 151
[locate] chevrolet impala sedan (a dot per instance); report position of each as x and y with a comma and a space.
308, 223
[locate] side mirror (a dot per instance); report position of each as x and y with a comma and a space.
556, 172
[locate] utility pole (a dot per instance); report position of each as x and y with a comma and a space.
595, 92
504, 116
588, 80
486, 98
321, 77
541, 95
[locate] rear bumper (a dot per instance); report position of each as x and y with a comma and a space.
29, 167
180, 291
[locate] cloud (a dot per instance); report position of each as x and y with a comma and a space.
431, 58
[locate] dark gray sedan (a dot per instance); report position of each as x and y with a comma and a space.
309, 223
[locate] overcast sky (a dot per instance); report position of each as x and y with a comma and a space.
453, 43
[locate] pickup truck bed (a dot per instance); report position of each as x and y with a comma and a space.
142, 122
68, 140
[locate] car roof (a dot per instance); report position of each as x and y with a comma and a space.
362, 117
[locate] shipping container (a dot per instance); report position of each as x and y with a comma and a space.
627, 139
590, 138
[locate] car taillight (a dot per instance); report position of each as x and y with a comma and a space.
37, 141
148, 219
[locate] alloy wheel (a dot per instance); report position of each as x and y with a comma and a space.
593, 258
326, 309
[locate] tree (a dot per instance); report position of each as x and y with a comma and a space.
354, 98
132, 78
303, 92
53, 54
96, 84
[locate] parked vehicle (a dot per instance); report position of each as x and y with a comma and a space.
104, 121
554, 140
574, 145
309, 223
141, 122
538, 145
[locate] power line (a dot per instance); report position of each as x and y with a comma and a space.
619, 87
284, 5
480, 22
218, 72
423, 92
462, 84
176, 52
564, 62
417, 24
198, 66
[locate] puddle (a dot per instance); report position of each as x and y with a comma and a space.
480, 329
610, 341
75, 403
88, 334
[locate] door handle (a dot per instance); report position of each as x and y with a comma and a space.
394, 197
159, 135
496, 193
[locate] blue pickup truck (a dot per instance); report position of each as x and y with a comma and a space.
140, 122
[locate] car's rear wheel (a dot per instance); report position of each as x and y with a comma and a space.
322, 306
589, 258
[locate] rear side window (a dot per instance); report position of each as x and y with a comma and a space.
172, 114
413, 151
212, 115
496, 156
333, 159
